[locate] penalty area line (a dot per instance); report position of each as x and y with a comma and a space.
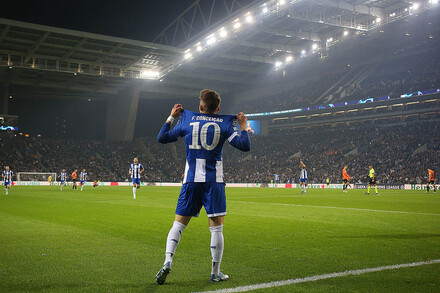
322, 277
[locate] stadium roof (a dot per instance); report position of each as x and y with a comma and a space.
195, 51
49, 48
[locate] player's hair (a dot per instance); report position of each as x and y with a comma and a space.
210, 100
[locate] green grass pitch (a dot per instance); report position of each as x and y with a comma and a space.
101, 240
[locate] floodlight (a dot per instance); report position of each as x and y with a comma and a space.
223, 33
278, 63
150, 74
237, 25
249, 18
345, 33
433, 1
211, 40
188, 55
314, 46
303, 52
265, 10
282, 2
378, 19
289, 59
199, 48
415, 6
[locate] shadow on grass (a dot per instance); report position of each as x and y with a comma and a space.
394, 236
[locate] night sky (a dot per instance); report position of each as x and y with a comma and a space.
132, 19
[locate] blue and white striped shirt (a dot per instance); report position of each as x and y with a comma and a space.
205, 135
83, 176
63, 176
8, 175
303, 174
136, 170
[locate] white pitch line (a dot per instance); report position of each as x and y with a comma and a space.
339, 208
289, 196
322, 277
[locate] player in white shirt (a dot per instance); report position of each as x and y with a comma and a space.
63, 178
7, 176
135, 171
276, 180
83, 178
303, 177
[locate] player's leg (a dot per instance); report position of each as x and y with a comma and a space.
301, 186
6, 187
375, 188
188, 205
305, 185
174, 235
217, 247
369, 187
134, 188
82, 185
173, 240
214, 201
136, 185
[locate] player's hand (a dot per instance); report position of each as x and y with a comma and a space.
177, 109
242, 120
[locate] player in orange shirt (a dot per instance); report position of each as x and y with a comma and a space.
74, 177
431, 180
345, 179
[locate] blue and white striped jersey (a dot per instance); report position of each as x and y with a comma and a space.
303, 174
7, 175
204, 136
136, 170
63, 176
83, 176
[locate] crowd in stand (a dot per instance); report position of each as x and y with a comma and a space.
325, 150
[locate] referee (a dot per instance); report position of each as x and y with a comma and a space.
372, 177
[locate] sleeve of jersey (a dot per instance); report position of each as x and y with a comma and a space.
243, 143
166, 135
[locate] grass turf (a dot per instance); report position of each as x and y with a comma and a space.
101, 240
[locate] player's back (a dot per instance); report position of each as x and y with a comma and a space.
303, 173
204, 136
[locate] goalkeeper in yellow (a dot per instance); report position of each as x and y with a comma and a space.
372, 177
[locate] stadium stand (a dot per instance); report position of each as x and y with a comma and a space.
388, 146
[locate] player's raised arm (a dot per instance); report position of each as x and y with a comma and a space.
243, 143
166, 135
